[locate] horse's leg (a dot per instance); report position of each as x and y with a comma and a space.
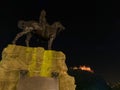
20, 35
50, 43
28, 37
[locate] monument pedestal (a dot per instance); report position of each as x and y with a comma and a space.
43, 66
38, 83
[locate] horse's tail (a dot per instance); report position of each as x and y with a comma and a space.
21, 24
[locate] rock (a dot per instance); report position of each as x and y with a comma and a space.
38, 62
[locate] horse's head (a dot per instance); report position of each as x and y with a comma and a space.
58, 26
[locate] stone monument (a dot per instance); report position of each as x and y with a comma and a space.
34, 68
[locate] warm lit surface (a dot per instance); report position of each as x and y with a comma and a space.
44, 69
38, 62
85, 68
46, 64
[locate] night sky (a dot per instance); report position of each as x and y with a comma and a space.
91, 37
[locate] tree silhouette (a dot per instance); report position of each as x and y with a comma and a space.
85, 80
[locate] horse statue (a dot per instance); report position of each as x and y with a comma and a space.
41, 28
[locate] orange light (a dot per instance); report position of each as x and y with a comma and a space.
86, 68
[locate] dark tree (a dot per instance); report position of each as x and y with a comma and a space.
88, 81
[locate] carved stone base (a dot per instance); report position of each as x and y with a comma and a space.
38, 62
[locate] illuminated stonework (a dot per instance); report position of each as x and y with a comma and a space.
35, 60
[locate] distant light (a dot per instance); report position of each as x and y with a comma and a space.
75, 68
86, 68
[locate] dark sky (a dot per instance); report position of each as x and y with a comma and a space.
92, 30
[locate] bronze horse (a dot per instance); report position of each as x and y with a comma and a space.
41, 28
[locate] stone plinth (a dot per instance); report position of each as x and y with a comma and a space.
38, 83
38, 62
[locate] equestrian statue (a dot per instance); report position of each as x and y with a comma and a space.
41, 28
